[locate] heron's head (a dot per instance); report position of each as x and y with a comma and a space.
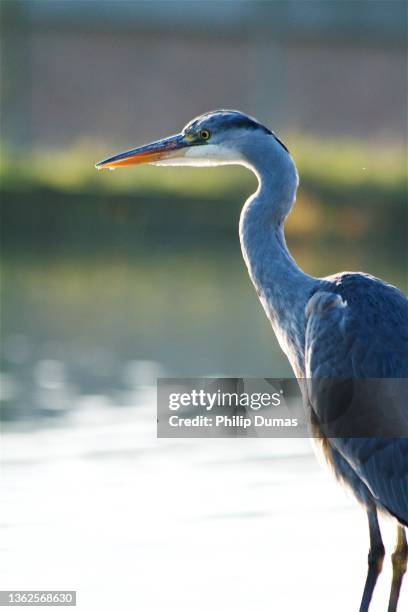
213, 139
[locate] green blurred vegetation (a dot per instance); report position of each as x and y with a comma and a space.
348, 191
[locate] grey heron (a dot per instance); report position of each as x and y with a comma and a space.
347, 327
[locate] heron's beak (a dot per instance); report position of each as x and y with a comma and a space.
148, 154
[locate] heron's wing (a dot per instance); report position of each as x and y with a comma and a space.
356, 360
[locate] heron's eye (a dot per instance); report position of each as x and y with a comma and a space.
204, 134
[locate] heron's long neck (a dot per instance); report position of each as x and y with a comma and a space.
281, 285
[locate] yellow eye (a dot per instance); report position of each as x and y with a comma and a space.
204, 134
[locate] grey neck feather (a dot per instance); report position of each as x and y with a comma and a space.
282, 286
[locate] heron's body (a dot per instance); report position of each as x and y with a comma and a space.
350, 327
347, 326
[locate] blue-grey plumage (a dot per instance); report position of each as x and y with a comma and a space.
351, 337
340, 334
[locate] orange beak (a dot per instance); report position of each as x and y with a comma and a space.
161, 149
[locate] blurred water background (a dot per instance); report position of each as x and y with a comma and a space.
110, 280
